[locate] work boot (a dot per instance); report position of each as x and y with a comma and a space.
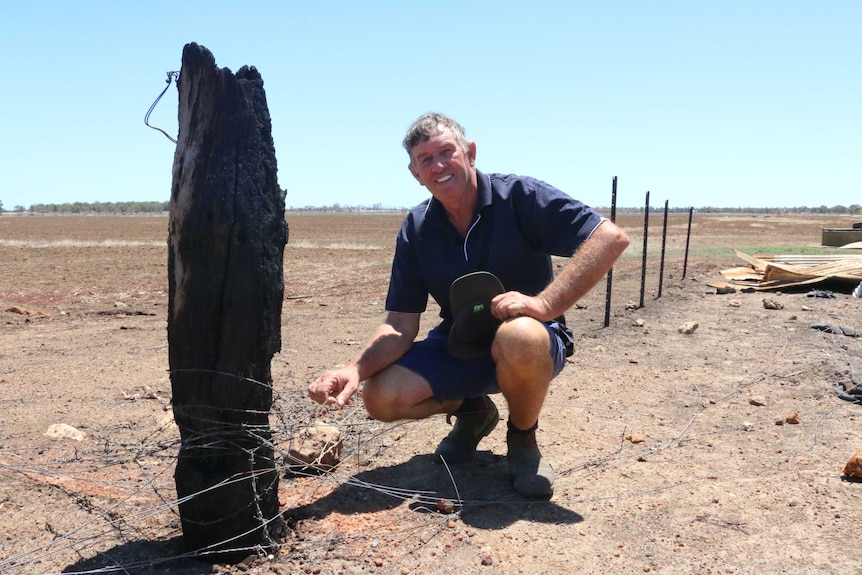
534, 477
475, 419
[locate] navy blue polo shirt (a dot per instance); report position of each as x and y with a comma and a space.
520, 222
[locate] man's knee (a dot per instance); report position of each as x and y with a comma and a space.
521, 339
391, 394
377, 396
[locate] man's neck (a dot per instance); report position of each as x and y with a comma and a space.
461, 214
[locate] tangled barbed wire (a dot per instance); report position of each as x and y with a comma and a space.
124, 484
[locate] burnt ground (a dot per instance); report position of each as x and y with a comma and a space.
738, 470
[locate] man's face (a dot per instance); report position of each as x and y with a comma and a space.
443, 167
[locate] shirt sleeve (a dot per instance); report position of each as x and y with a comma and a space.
408, 292
557, 223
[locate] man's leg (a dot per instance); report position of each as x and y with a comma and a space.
398, 393
522, 352
524, 368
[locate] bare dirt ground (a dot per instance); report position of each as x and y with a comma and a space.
726, 480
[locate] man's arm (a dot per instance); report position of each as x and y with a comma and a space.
589, 264
390, 340
586, 268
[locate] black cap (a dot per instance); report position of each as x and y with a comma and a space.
474, 327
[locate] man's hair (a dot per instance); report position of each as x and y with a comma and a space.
426, 125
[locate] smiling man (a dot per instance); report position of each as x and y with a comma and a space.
508, 226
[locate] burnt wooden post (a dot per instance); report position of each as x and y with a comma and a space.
227, 234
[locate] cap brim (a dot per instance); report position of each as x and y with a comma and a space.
473, 286
466, 294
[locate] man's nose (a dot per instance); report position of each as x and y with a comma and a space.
438, 161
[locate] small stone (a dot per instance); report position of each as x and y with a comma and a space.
64, 431
317, 447
487, 560
772, 304
445, 506
792, 418
378, 562
853, 467
688, 328
635, 438
757, 401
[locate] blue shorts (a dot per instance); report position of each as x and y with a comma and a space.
453, 378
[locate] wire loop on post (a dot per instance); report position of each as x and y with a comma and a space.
172, 76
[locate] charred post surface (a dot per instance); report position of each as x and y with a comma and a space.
227, 234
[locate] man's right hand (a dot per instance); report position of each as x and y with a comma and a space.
335, 387
390, 341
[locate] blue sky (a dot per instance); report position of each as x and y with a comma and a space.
715, 103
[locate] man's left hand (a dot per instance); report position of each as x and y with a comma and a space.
514, 304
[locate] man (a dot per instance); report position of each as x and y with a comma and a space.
509, 226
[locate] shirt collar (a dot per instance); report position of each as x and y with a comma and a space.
483, 191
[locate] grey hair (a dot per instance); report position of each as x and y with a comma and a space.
426, 125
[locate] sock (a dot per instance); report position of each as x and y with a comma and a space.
513, 429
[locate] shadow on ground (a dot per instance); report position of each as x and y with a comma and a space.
481, 489
142, 558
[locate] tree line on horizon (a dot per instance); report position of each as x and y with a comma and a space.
120, 208
153, 207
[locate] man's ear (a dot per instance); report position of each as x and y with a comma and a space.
471, 153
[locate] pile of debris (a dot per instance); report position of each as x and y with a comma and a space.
780, 272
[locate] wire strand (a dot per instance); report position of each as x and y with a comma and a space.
172, 76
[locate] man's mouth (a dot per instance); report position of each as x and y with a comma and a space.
444, 179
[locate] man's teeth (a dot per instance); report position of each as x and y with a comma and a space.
444, 179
